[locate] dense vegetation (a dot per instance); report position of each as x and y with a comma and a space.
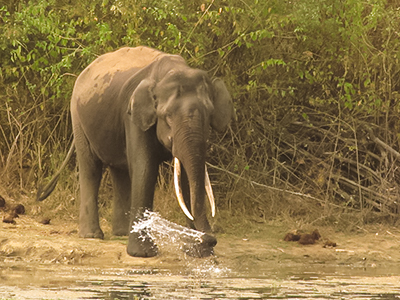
316, 87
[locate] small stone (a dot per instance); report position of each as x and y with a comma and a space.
329, 244
19, 209
45, 221
316, 235
291, 237
9, 219
2, 202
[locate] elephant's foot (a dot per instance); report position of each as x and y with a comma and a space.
120, 232
201, 249
120, 225
141, 247
91, 234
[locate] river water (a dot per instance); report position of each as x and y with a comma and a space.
204, 281
190, 278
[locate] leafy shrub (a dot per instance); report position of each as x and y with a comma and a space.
316, 88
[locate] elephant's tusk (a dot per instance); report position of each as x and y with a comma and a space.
178, 191
210, 194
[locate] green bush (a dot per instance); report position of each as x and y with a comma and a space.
315, 85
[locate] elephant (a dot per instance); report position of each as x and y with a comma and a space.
131, 110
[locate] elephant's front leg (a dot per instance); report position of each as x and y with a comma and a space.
122, 195
143, 178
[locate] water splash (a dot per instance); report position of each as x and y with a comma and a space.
165, 233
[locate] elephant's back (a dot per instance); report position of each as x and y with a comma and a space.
121, 60
104, 70
96, 107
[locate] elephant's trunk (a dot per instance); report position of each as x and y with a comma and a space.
189, 147
197, 196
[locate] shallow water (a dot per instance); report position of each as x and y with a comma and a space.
193, 278
202, 281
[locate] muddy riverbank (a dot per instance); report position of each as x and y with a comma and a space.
30, 242
40, 261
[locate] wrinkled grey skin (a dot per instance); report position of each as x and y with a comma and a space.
131, 110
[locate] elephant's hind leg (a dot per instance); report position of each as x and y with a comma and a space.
121, 210
90, 172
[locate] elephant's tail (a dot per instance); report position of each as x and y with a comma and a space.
44, 192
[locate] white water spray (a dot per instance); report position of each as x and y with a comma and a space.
166, 233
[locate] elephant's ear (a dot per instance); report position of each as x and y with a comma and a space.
142, 106
223, 106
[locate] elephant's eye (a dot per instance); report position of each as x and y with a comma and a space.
168, 118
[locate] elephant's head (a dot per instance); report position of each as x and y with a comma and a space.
182, 103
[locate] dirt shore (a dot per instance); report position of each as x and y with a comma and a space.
30, 242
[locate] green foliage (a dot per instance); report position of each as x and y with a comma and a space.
299, 62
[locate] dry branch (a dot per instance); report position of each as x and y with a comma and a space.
381, 143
